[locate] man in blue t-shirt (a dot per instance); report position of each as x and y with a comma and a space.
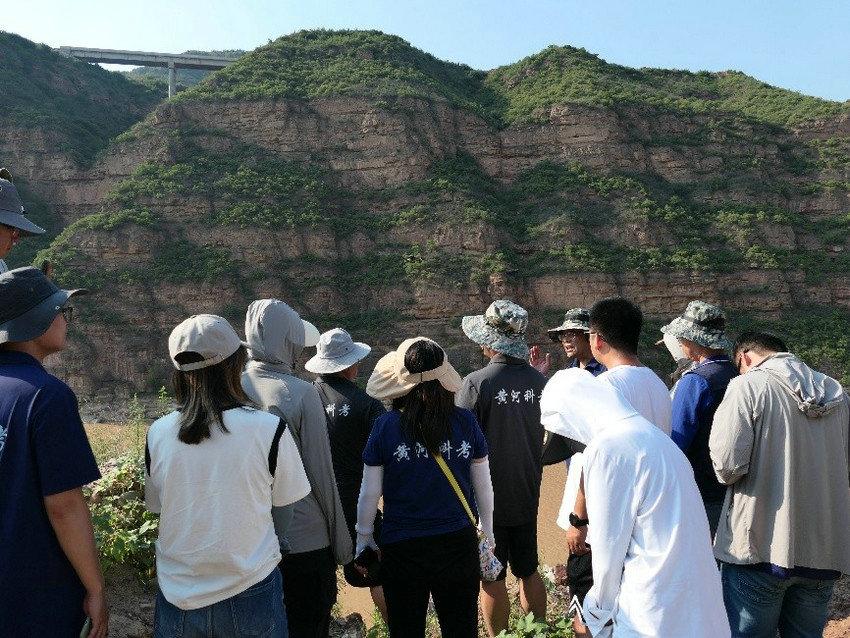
50, 577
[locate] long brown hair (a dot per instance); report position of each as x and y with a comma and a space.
426, 410
202, 395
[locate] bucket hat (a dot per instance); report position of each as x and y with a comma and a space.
12, 212
29, 302
501, 327
336, 351
702, 323
574, 319
209, 336
390, 379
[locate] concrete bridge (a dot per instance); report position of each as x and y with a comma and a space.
170, 61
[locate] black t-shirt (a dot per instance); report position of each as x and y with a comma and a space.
351, 413
505, 397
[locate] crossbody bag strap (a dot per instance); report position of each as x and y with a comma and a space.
453, 482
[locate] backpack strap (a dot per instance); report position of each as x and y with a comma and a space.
453, 482
281, 426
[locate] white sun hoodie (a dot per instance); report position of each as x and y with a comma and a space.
653, 569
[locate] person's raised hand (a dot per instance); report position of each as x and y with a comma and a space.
576, 537
95, 607
540, 362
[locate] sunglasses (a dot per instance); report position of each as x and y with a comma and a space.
739, 360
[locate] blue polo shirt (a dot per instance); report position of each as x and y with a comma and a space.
418, 498
43, 451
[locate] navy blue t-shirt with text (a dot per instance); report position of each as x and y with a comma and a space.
43, 451
418, 498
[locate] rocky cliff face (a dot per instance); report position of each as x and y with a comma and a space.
394, 216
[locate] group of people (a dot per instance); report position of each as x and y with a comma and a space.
266, 482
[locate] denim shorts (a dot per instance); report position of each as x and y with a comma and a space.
257, 612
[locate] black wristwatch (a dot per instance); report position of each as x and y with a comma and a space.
575, 521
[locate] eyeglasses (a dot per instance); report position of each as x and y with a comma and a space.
598, 334
568, 336
68, 313
739, 360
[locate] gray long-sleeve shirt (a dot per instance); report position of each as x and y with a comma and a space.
273, 331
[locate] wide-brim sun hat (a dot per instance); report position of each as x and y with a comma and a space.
701, 323
574, 319
29, 302
501, 328
12, 212
390, 379
336, 351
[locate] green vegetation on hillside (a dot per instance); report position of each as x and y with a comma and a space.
81, 106
320, 63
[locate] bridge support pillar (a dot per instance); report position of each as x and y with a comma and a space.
172, 79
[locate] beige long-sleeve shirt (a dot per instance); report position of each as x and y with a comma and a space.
781, 440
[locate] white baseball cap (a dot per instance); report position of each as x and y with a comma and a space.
209, 336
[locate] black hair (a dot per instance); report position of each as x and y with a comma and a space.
618, 321
202, 395
761, 342
426, 410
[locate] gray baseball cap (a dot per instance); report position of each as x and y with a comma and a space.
12, 212
29, 302
336, 351
210, 336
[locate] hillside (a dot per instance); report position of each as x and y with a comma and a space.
79, 106
311, 64
376, 187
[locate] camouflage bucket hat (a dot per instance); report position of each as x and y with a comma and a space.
502, 328
702, 323
574, 319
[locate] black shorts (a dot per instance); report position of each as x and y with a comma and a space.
580, 575
516, 545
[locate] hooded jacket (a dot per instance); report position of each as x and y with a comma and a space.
275, 337
780, 440
653, 571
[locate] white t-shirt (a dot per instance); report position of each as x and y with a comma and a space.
216, 534
645, 391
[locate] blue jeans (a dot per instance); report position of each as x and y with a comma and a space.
758, 604
258, 612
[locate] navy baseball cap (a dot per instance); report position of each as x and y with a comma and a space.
29, 302
12, 212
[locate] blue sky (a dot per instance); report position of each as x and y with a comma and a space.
798, 44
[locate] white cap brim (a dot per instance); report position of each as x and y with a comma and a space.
311, 334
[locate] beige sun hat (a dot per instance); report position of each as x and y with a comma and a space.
390, 379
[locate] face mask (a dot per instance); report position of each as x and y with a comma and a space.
673, 347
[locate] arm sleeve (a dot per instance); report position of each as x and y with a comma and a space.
612, 510
483, 488
152, 501
316, 454
732, 435
689, 404
290, 482
371, 489
63, 456
282, 518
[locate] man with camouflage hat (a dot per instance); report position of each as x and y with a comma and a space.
701, 334
14, 224
573, 336
505, 397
